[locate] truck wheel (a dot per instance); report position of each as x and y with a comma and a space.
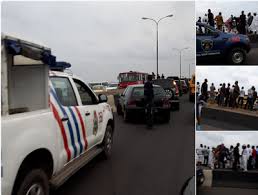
237, 56
169, 92
33, 183
107, 142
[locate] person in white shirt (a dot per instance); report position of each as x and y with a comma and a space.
241, 97
198, 89
205, 19
245, 156
199, 154
211, 158
254, 26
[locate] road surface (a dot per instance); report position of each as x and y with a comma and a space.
149, 162
225, 191
211, 124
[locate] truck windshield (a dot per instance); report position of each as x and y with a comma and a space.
129, 77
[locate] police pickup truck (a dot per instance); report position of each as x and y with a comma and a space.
212, 42
52, 122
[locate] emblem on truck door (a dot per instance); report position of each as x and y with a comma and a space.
207, 44
95, 123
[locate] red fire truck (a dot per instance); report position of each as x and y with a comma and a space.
131, 78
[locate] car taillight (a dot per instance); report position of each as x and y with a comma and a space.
131, 102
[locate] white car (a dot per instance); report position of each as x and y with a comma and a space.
99, 88
52, 122
112, 86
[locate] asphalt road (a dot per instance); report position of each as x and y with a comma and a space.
225, 191
150, 162
211, 124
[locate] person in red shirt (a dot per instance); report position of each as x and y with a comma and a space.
253, 157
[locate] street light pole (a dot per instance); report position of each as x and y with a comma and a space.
180, 52
157, 33
157, 48
189, 72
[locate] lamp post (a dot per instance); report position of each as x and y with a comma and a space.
180, 52
157, 34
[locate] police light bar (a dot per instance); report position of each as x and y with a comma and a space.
60, 66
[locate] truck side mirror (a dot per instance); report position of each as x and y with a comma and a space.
102, 98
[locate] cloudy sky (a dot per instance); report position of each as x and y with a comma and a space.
101, 39
245, 75
226, 7
213, 138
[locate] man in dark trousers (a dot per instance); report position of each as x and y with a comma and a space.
227, 95
236, 156
236, 93
211, 18
204, 90
148, 98
242, 23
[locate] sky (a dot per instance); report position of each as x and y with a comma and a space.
246, 76
102, 39
226, 8
214, 138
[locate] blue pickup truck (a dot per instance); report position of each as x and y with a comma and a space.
212, 42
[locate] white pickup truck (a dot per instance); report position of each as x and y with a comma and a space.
52, 122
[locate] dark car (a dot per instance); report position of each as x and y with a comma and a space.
131, 102
184, 86
171, 89
212, 42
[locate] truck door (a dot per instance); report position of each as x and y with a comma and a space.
208, 41
63, 103
91, 112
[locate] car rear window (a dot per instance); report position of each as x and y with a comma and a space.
139, 92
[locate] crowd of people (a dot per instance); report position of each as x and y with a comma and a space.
228, 95
232, 158
238, 24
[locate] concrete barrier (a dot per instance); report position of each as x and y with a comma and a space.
234, 179
247, 120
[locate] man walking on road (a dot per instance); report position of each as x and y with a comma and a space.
236, 93
148, 97
236, 156
245, 156
241, 97
222, 94
227, 95
249, 102
206, 156
204, 90
212, 93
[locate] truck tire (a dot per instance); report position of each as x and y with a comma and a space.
236, 56
33, 183
107, 142
169, 92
